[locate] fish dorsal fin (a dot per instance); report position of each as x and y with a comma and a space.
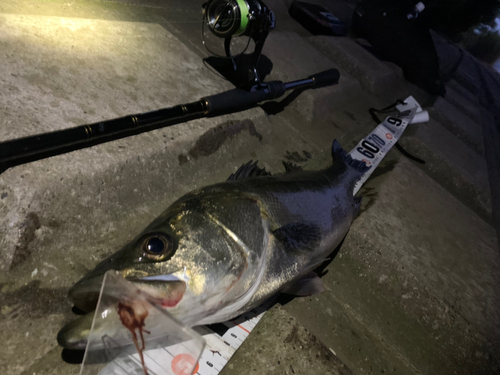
290, 167
249, 169
356, 165
308, 285
296, 236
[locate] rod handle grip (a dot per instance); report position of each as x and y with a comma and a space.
327, 78
238, 100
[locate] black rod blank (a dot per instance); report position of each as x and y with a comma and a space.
27, 149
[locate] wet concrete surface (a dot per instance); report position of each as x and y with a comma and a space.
450, 162
412, 289
293, 348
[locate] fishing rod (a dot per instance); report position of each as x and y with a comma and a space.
226, 19
23, 150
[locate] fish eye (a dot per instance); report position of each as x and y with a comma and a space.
156, 246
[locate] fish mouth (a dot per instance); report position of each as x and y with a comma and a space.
75, 334
85, 293
164, 290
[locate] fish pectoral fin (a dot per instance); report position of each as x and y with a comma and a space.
309, 285
297, 236
249, 169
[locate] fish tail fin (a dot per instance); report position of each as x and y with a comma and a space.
357, 166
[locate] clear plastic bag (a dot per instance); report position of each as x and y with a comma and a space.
131, 335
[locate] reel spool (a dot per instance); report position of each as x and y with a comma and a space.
227, 19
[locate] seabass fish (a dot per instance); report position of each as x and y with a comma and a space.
223, 249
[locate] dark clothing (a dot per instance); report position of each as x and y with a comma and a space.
404, 42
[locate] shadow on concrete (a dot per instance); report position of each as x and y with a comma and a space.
370, 194
239, 69
72, 356
33, 301
275, 107
76, 357
77, 311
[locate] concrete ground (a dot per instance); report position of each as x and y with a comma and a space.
412, 290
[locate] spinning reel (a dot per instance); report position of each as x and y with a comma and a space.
232, 18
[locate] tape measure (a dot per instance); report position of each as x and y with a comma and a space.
373, 148
219, 349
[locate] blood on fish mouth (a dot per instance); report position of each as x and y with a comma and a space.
175, 297
170, 302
